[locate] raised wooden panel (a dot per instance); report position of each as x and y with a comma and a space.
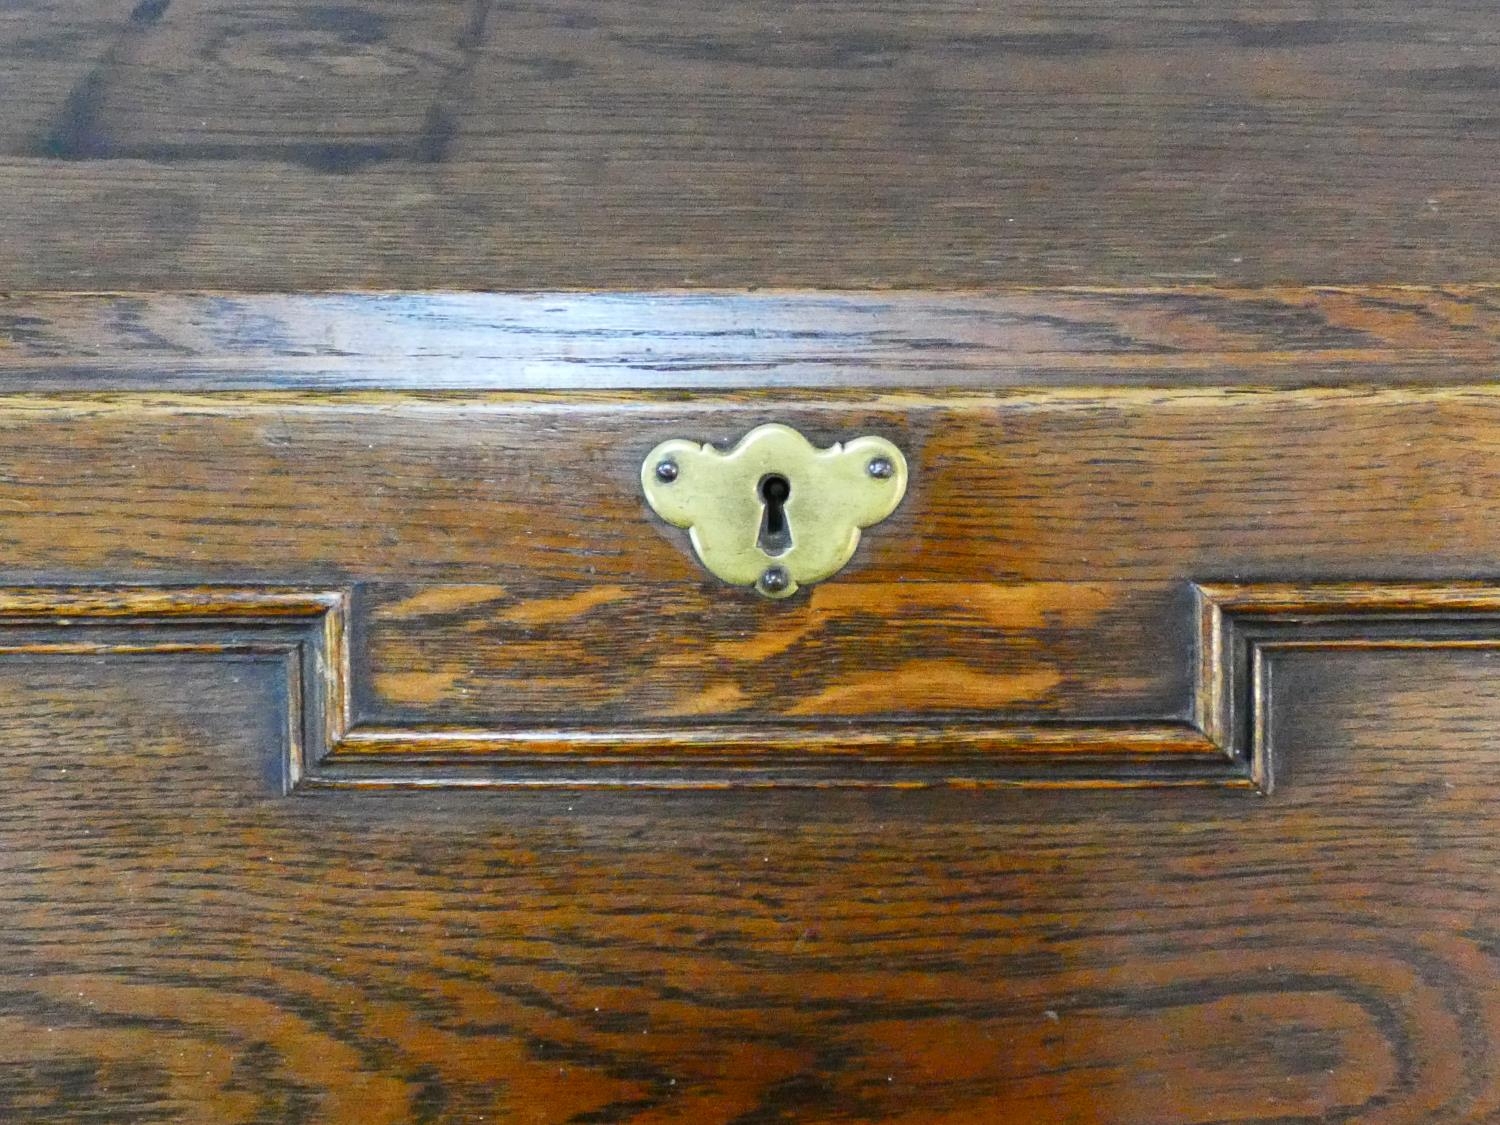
387, 67
614, 653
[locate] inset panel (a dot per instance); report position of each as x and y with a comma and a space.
620, 652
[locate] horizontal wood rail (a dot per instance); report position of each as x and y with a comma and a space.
1183, 336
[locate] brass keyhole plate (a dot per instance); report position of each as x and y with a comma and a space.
775, 512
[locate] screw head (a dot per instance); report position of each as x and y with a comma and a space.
775, 579
666, 471
881, 468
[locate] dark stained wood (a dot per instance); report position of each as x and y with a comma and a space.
336, 739
517, 614
1139, 769
1104, 583
1178, 337
336, 736
1328, 953
465, 144
1048, 485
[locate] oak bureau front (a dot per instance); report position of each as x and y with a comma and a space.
457, 521
852, 562
401, 718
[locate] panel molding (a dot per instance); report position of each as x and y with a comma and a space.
1244, 626
1240, 629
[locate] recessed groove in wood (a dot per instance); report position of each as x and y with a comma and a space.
1240, 627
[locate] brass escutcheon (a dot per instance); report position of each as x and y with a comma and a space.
775, 512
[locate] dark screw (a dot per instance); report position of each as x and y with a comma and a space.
775, 579
881, 468
666, 471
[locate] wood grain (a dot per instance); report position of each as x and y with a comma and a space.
628, 145
1328, 953
1179, 311
332, 738
512, 602
1049, 485
335, 737
1182, 336
608, 654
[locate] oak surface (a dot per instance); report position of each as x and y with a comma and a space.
509, 599
1070, 485
1180, 312
627, 144
1183, 336
1325, 954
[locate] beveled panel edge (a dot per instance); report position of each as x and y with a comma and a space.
303, 627
1243, 625
1227, 744
1184, 335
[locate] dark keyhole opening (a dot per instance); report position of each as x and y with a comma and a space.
775, 533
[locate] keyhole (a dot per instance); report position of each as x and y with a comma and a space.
775, 533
